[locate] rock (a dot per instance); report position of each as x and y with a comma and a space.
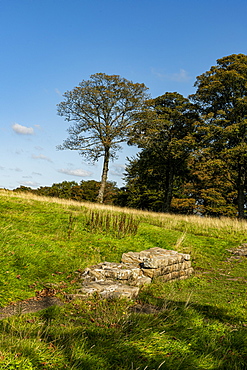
153, 273
111, 280
110, 289
154, 258
111, 270
239, 251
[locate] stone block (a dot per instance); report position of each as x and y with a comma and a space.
109, 289
136, 269
154, 258
111, 270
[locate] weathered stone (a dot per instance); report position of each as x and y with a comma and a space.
141, 280
154, 258
153, 273
240, 251
136, 269
111, 270
176, 275
110, 289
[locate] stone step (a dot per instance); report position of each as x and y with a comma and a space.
109, 279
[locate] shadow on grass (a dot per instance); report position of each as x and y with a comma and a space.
167, 335
163, 335
196, 337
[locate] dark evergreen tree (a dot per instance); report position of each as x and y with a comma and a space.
165, 131
222, 97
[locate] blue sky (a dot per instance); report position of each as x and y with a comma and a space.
48, 46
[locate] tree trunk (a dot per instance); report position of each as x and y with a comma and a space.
100, 197
168, 187
241, 183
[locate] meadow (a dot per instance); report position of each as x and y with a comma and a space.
197, 323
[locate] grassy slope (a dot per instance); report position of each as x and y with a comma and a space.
199, 323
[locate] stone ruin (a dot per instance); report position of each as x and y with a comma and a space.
124, 279
240, 251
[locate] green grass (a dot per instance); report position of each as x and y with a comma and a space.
198, 323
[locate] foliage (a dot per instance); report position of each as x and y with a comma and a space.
222, 97
193, 157
85, 191
102, 110
165, 132
213, 195
193, 150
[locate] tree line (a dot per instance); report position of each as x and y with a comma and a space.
83, 191
193, 150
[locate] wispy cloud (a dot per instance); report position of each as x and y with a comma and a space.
117, 169
41, 156
19, 151
77, 172
38, 148
22, 130
181, 76
28, 183
16, 169
58, 92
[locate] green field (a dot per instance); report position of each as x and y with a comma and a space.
198, 323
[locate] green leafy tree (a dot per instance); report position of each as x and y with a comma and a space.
144, 182
145, 189
23, 188
222, 97
207, 185
86, 190
90, 190
102, 110
165, 132
58, 190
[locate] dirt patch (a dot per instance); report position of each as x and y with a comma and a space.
44, 299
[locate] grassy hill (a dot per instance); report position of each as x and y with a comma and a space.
198, 323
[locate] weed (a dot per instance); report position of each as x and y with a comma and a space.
71, 225
118, 225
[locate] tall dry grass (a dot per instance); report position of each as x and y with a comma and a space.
169, 221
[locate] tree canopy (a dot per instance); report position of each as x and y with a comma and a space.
165, 132
193, 151
102, 110
222, 97
194, 156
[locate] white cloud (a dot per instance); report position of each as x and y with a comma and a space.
19, 151
41, 156
77, 172
28, 183
17, 169
181, 76
58, 92
38, 148
117, 170
22, 130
